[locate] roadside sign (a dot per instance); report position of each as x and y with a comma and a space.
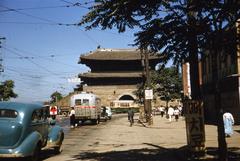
195, 125
53, 110
148, 94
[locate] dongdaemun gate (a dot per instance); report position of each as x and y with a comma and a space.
114, 75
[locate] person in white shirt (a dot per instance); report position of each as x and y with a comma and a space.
228, 121
161, 109
72, 117
176, 113
170, 113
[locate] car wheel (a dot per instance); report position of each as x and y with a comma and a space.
36, 154
58, 149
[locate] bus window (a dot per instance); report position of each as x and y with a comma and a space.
85, 102
78, 102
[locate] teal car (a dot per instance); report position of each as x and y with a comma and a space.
25, 130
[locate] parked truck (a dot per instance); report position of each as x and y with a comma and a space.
87, 106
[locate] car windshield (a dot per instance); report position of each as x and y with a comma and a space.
7, 113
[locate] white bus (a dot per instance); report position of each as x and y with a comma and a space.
87, 106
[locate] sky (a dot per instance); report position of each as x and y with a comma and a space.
39, 54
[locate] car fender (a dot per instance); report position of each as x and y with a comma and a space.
28, 145
55, 136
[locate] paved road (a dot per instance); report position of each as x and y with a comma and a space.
115, 140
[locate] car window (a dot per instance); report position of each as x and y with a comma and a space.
7, 113
45, 113
38, 115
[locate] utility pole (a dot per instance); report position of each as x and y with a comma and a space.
1, 56
147, 102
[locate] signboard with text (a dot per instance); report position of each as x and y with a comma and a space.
149, 94
194, 116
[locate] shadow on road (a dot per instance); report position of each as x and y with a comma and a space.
159, 154
131, 155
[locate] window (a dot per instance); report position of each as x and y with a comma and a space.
78, 102
85, 102
8, 113
37, 115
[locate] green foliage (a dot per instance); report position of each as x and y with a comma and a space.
55, 97
167, 83
167, 26
180, 29
140, 93
6, 90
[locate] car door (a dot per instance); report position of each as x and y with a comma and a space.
40, 124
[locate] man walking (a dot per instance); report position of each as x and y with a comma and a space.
130, 116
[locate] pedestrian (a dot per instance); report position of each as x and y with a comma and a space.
72, 117
228, 123
130, 116
52, 120
180, 110
176, 113
161, 109
170, 113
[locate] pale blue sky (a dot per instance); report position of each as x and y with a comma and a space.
40, 55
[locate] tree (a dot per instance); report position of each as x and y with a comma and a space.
6, 90
55, 97
179, 28
167, 83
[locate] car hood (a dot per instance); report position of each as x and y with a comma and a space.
10, 132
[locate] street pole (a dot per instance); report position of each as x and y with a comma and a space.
144, 110
1, 58
148, 101
222, 145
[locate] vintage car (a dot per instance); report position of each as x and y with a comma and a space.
25, 130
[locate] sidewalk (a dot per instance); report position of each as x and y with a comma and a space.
233, 142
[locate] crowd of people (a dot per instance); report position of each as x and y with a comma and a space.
171, 112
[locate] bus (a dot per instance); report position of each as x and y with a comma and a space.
87, 106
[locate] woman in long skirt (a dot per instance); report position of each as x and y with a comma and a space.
72, 117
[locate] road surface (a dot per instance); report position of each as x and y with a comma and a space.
115, 140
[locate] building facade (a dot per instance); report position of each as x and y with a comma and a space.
226, 67
114, 75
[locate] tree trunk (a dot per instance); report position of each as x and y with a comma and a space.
193, 59
222, 145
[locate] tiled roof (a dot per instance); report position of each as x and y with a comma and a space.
116, 54
112, 75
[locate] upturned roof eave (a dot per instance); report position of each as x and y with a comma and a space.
111, 75
116, 55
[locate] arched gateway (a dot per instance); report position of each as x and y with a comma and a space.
114, 75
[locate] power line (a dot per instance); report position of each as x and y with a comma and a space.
89, 37
35, 8
47, 7
39, 18
44, 58
28, 23
41, 67
79, 4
